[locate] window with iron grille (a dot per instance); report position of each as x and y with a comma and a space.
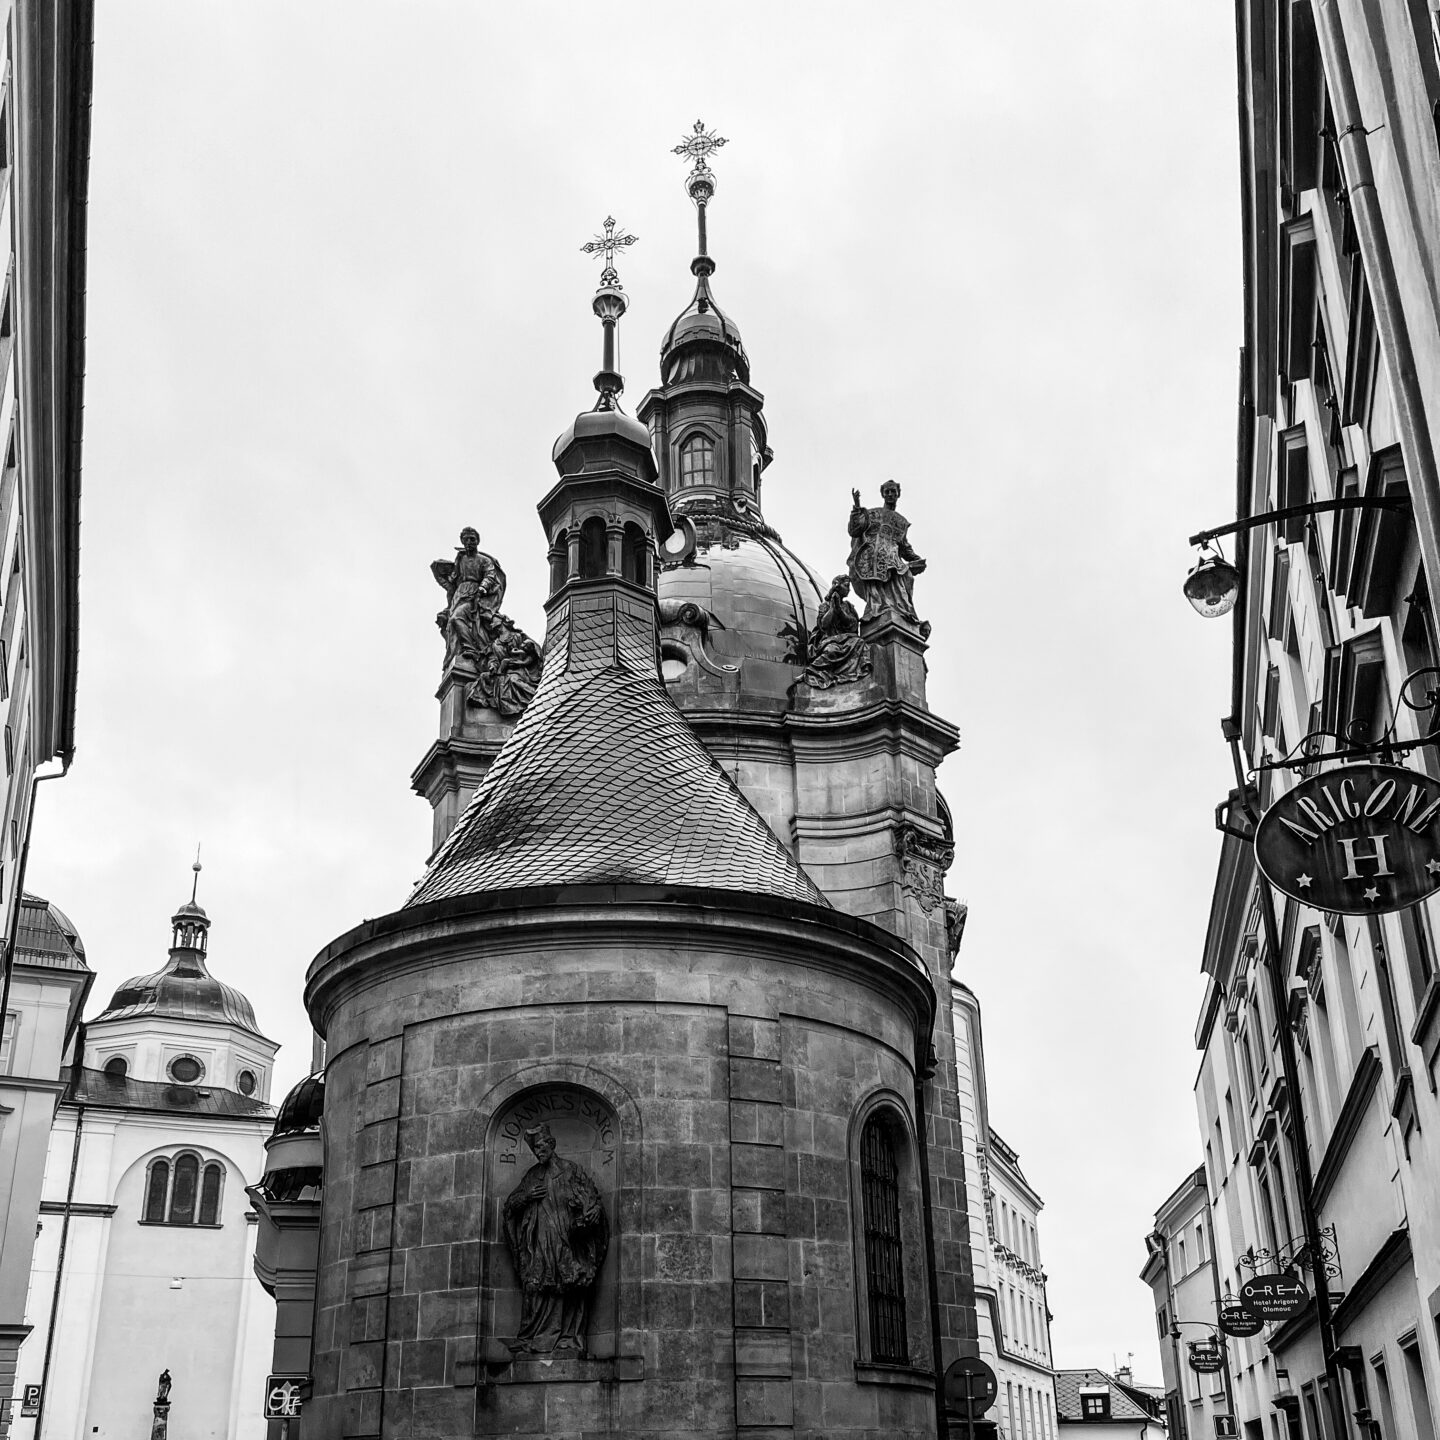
884, 1268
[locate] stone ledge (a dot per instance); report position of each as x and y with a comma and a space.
905, 1377
558, 1370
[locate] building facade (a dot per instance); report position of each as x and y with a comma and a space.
1180, 1271
1012, 1308
44, 162
1105, 1407
640, 1116
1335, 634
146, 1248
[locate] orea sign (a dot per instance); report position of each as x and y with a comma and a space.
1357, 840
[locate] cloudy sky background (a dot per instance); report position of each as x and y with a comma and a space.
337, 310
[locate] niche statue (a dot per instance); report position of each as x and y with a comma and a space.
557, 1232
882, 565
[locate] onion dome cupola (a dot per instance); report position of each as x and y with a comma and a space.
602, 781
705, 420
184, 988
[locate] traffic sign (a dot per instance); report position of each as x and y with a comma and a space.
1273, 1296
284, 1394
970, 1386
1236, 1320
1224, 1427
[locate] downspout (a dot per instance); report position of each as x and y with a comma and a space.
60, 1263
1162, 1249
1215, 1286
942, 1426
1359, 178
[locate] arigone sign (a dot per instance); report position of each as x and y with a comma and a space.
1356, 840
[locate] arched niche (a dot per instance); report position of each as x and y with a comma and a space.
586, 1128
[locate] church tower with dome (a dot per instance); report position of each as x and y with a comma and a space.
639, 1115
147, 1237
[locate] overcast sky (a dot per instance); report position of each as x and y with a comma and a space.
337, 309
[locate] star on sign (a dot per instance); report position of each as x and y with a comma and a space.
1372, 893
1303, 881
1432, 866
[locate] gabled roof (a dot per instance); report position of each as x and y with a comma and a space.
1068, 1384
603, 781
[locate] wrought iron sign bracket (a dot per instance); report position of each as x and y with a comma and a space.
1294, 512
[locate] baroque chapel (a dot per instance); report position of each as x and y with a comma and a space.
639, 1116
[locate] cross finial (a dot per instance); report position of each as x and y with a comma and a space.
607, 245
698, 144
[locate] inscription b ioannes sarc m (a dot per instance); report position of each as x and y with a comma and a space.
557, 1232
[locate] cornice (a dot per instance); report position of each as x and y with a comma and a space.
1387, 1262
550, 919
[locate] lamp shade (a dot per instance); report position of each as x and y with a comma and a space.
1213, 586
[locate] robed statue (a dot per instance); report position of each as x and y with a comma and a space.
882, 564
162, 1392
557, 1232
506, 661
836, 653
474, 586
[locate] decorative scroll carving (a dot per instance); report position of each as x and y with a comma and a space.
506, 661
557, 1232
956, 912
835, 653
685, 635
924, 859
882, 563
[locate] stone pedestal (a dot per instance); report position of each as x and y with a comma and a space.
160, 1425
470, 738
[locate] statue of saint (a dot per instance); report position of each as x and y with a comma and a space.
557, 1232
882, 564
474, 586
509, 670
836, 651
162, 1394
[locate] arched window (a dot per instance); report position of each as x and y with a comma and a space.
884, 1252
697, 460
210, 1195
180, 1191
157, 1189
593, 549
635, 556
118, 1066
560, 561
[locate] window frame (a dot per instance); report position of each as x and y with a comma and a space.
206, 1169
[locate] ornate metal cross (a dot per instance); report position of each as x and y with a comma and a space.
606, 245
699, 144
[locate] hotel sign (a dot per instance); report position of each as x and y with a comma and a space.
1357, 840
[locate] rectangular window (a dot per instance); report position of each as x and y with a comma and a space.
7, 1042
1419, 950
1200, 1244
1419, 1394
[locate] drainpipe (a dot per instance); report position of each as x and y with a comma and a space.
1215, 1286
1161, 1246
1359, 178
60, 1263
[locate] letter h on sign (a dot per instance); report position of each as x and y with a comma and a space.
1376, 856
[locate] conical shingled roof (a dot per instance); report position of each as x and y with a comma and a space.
603, 782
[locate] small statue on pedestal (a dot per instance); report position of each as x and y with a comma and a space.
557, 1232
836, 653
160, 1424
882, 564
506, 661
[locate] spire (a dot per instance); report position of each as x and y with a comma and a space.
609, 304
705, 420
190, 924
700, 187
195, 883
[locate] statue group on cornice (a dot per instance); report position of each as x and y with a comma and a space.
505, 660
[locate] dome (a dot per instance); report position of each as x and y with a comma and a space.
302, 1107
181, 991
592, 424
702, 322
754, 602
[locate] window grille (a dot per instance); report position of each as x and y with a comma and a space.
884, 1269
